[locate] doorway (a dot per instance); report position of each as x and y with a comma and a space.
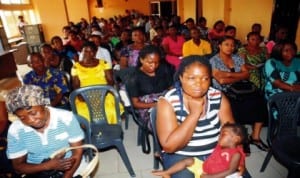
285, 13
163, 8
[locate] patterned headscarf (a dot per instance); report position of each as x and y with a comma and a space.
25, 96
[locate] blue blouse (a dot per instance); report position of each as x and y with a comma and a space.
276, 70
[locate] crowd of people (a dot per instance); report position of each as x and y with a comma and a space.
193, 106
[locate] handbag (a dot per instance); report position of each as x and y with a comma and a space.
59, 174
241, 89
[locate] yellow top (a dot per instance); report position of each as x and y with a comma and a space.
91, 75
190, 48
95, 76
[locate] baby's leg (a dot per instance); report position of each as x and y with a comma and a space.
179, 166
196, 167
162, 173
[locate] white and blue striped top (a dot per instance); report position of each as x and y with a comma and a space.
62, 130
207, 131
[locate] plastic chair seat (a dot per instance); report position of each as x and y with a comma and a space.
107, 133
286, 149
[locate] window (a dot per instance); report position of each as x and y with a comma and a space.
9, 15
155, 8
14, 2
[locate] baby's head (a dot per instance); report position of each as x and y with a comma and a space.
232, 135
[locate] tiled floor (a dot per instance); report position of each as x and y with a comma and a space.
111, 165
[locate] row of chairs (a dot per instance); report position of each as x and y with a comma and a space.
282, 132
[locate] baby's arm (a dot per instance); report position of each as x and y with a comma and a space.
233, 167
181, 165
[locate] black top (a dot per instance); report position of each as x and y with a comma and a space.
141, 84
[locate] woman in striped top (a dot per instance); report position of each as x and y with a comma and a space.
190, 116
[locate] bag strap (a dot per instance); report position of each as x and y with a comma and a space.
92, 164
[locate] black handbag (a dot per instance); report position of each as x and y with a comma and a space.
240, 90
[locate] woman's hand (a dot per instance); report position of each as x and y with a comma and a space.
60, 163
195, 107
174, 136
285, 86
295, 87
224, 77
251, 67
80, 98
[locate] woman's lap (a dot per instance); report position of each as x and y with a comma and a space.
170, 159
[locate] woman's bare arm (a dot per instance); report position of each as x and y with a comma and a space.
109, 77
285, 86
76, 156
172, 136
75, 82
141, 105
224, 77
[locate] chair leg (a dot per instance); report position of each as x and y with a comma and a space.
126, 122
266, 161
125, 158
126, 118
156, 162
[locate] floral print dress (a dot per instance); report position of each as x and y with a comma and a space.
258, 59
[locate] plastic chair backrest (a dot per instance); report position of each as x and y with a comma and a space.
156, 145
100, 132
94, 96
286, 106
85, 126
122, 75
122, 78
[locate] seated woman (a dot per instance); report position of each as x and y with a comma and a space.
132, 50
65, 52
215, 34
227, 69
51, 80
279, 34
152, 78
172, 45
255, 56
282, 71
39, 131
91, 71
190, 116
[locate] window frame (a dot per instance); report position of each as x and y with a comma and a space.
27, 10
